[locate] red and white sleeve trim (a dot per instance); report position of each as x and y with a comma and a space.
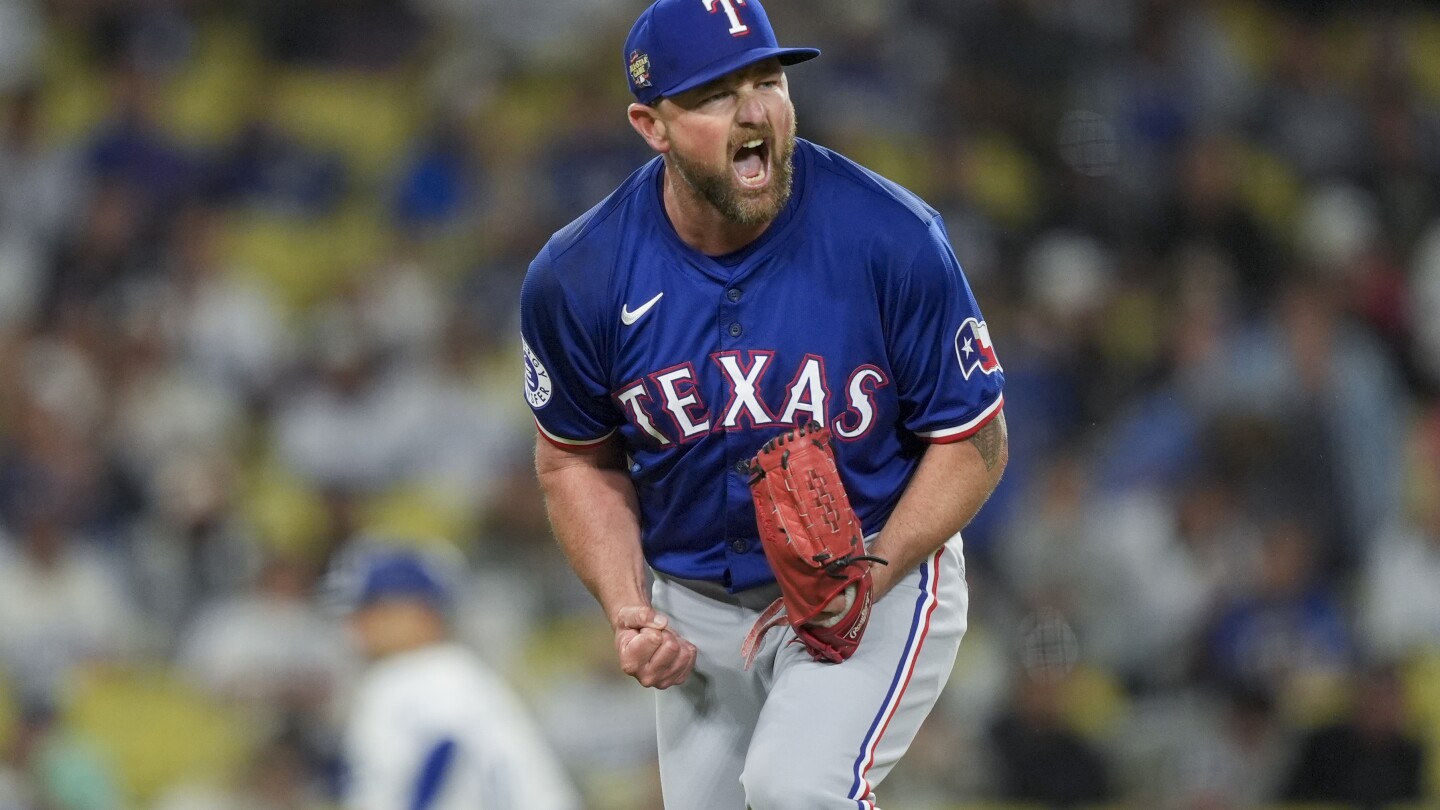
571, 444
962, 432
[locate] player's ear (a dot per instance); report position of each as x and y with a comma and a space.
646, 120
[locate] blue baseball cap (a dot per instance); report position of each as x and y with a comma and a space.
678, 45
381, 572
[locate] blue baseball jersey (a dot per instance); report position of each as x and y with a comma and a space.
850, 310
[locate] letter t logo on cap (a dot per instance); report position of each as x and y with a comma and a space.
737, 28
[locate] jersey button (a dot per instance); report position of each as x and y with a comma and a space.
733, 294
736, 329
742, 466
739, 546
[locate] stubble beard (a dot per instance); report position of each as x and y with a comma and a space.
737, 204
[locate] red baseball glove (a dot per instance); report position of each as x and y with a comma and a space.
813, 542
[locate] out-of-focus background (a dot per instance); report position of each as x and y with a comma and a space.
259, 262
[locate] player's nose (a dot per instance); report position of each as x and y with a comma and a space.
751, 110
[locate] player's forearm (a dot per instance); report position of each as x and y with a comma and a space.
951, 484
595, 518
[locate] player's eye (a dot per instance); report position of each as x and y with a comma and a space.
716, 96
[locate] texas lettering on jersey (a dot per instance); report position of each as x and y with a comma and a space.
668, 407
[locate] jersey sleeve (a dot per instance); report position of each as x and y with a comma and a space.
950, 381
564, 373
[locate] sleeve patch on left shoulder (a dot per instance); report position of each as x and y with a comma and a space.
973, 349
537, 380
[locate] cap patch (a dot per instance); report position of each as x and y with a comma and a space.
640, 68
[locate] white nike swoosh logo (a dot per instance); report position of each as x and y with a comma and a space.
629, 316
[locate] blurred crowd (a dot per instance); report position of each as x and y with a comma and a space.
259, 261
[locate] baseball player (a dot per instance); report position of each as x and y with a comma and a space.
742, 283
432, 727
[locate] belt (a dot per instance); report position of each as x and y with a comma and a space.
757, 598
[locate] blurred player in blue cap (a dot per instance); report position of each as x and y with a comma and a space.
432, 727
742, 283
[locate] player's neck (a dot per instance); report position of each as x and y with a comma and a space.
700, 225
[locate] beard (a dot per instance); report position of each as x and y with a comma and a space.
740, 205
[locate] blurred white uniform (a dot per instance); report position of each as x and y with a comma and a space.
436, 729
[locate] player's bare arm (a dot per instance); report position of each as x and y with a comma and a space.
951, 484
594, 515
993, 444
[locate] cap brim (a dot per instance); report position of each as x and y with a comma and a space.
713, 71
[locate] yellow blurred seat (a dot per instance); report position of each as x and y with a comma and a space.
1422, 49
76, 95
291, 518
1421, 675
1001, 179
367, 117
154, 729
303, 260
1249, 26
1269, 187
205, 102
420, 511
9, 715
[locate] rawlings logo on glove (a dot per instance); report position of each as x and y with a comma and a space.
814, 544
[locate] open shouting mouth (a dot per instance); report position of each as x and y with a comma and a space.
752, 163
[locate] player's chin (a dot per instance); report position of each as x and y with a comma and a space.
757, 206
